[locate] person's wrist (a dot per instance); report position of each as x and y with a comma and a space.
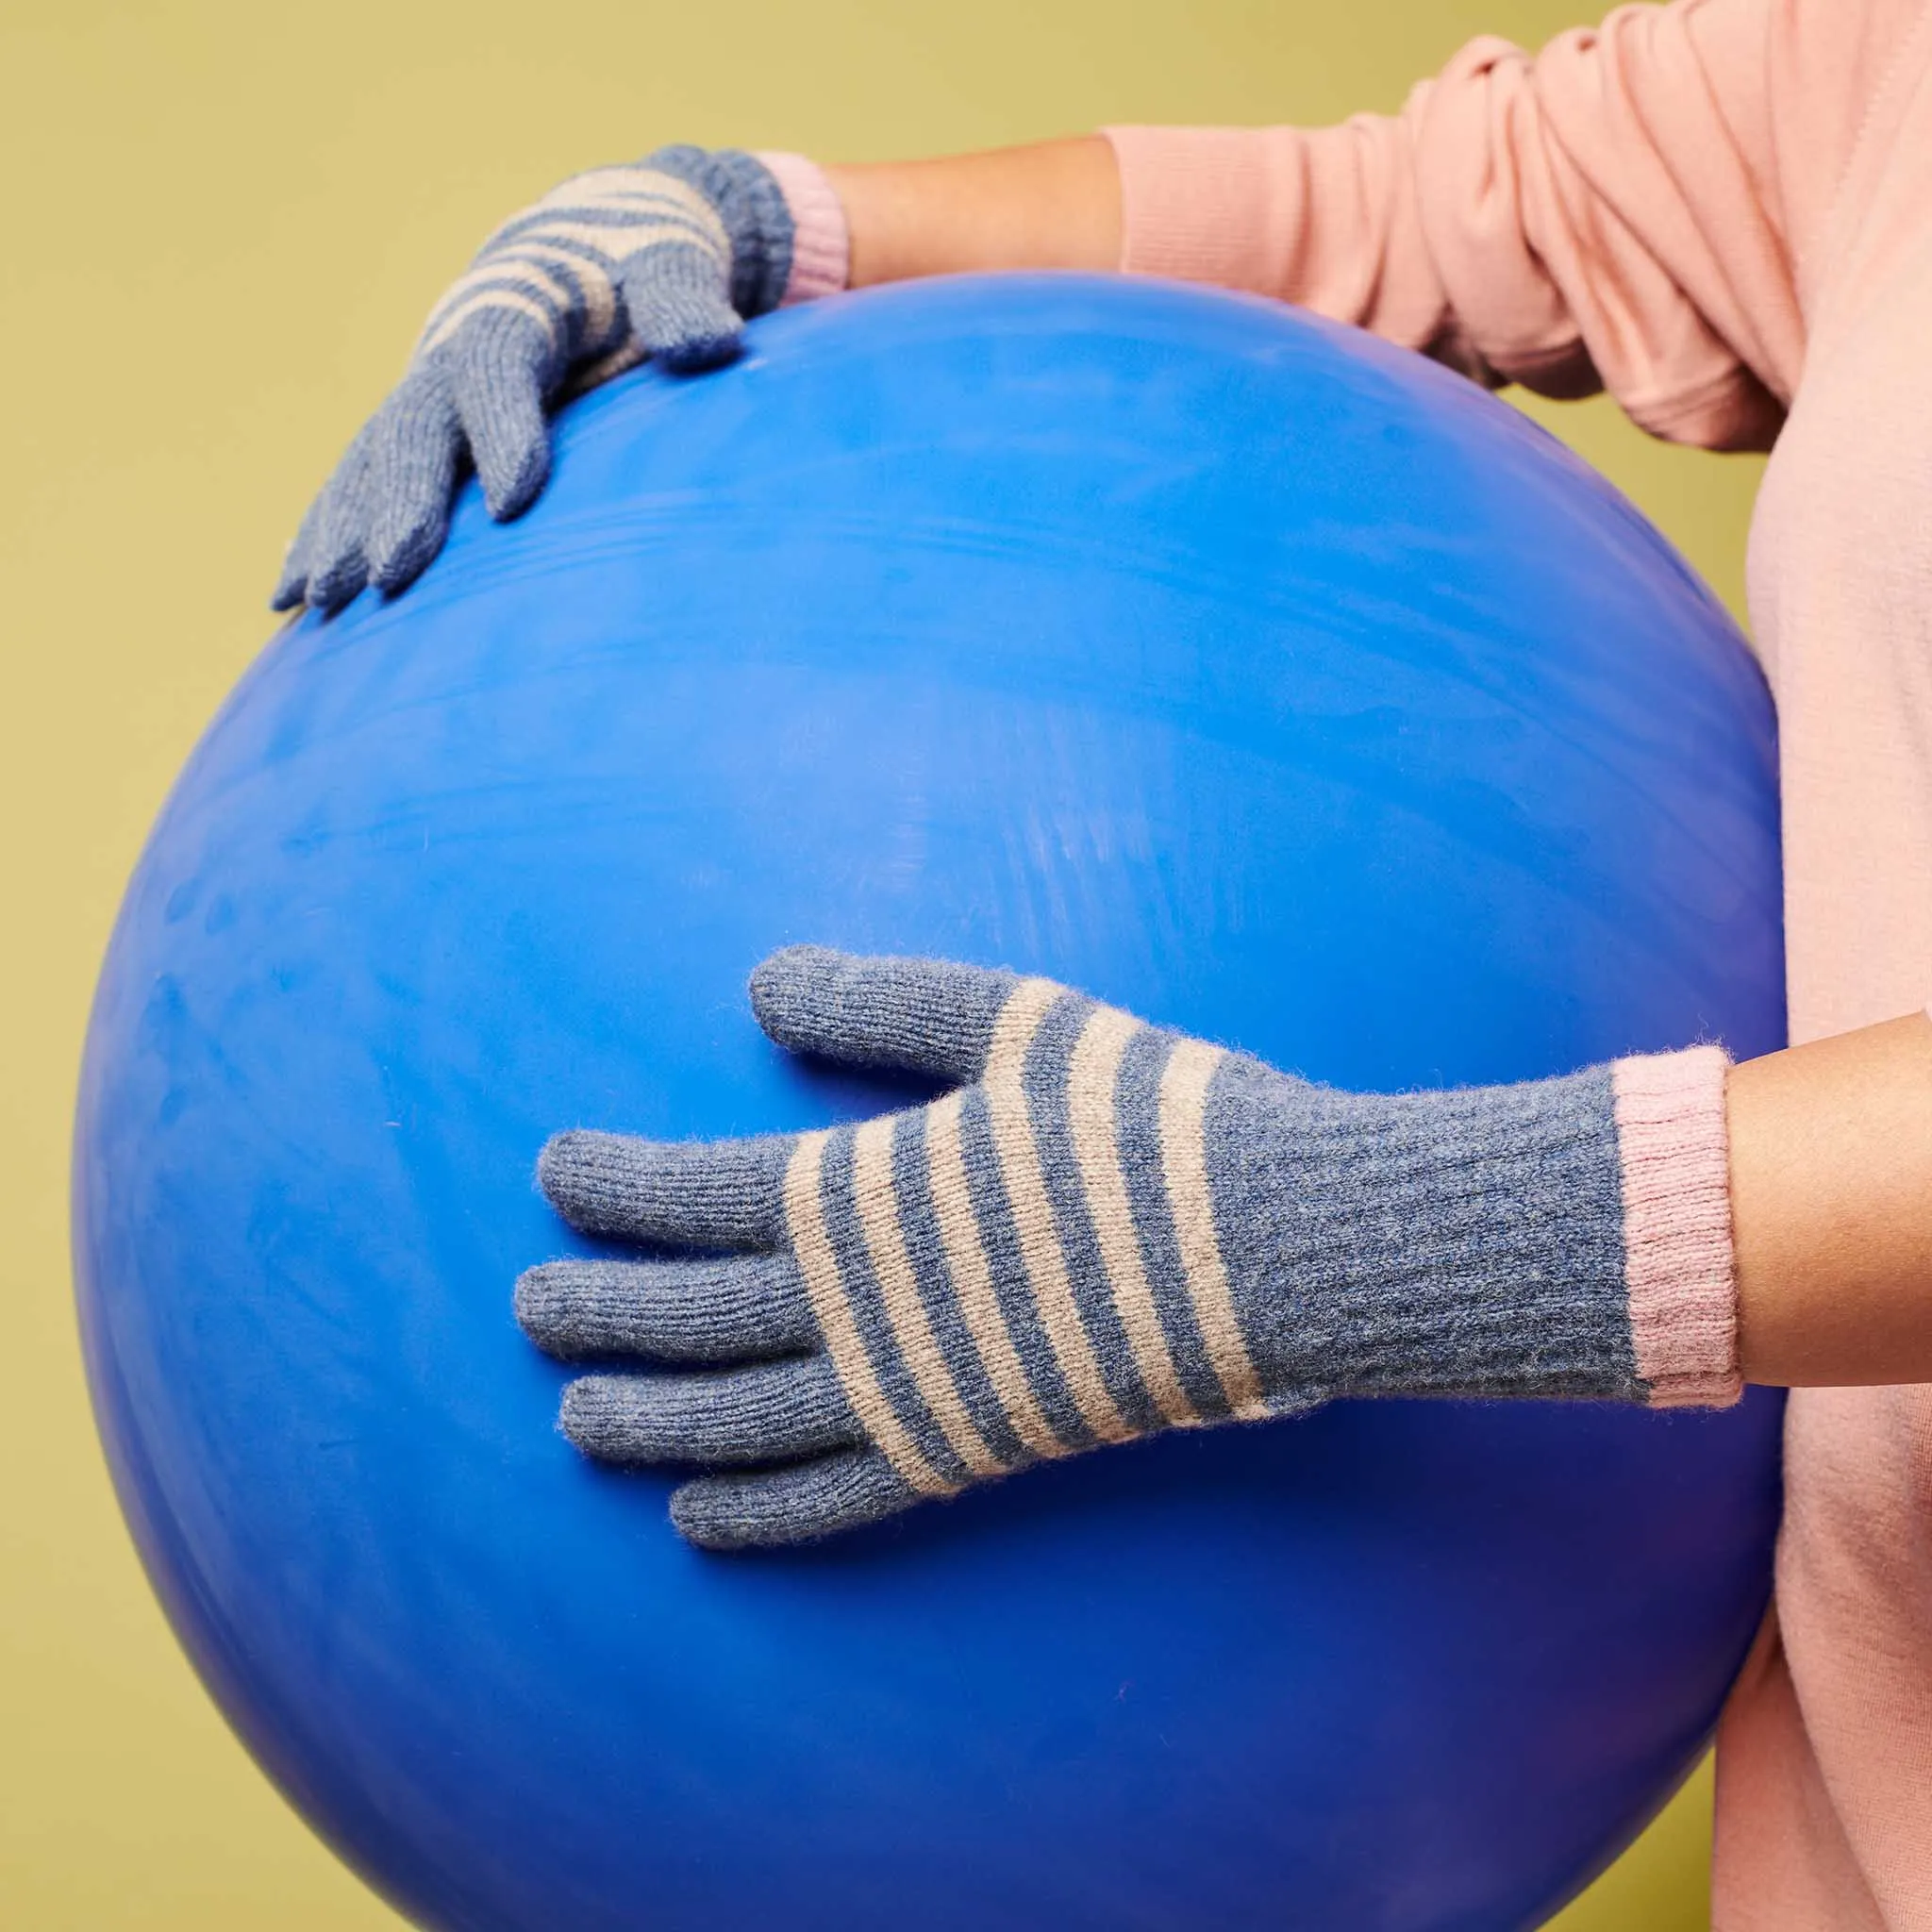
1679, 1261
822, 237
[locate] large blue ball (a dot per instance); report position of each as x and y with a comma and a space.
1263, 679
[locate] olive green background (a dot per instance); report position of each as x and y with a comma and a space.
224, 222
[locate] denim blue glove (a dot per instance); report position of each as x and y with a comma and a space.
1107, 1229
666, 258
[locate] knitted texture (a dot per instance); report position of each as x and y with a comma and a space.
1669, 1111
822, 239
665, 257
1208, 205
1103, 1229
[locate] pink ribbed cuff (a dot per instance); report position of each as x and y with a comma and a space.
1678, 1263
820, 240
1215, 205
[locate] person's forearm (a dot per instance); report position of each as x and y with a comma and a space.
1831, 1202
1057, 204
1830, 1143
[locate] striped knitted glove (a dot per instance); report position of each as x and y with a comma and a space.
665, 258
1108, 1229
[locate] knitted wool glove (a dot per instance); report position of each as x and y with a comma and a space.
666, 258
1109, 1229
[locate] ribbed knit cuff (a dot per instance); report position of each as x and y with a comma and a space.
1678, 1263
820, 240
1209, 204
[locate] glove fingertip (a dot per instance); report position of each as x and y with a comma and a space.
695, 354
565, 1161
597, 1420
338, 585
509, 488
686, 321
924, 1016
786, 966
395, 574
798, 1504
789, 987
403, 559
538, 1302
291, 581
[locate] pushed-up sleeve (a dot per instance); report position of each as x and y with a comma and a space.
1630, 210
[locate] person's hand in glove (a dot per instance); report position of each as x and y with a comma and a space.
1108, 1229
666, 258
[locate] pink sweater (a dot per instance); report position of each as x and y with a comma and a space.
1721, 211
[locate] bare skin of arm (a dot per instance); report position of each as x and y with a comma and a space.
1831, 1143
1057, 204
1831, 1207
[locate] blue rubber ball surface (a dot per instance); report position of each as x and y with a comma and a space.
1263, 679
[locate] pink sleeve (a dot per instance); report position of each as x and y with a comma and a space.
1636, 208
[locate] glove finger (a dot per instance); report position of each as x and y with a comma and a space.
670, 1193
338, 563
789, 1506
669, 1311
769, 1412
676, 295
500, 373
292, 587
412, 479
923, 1016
